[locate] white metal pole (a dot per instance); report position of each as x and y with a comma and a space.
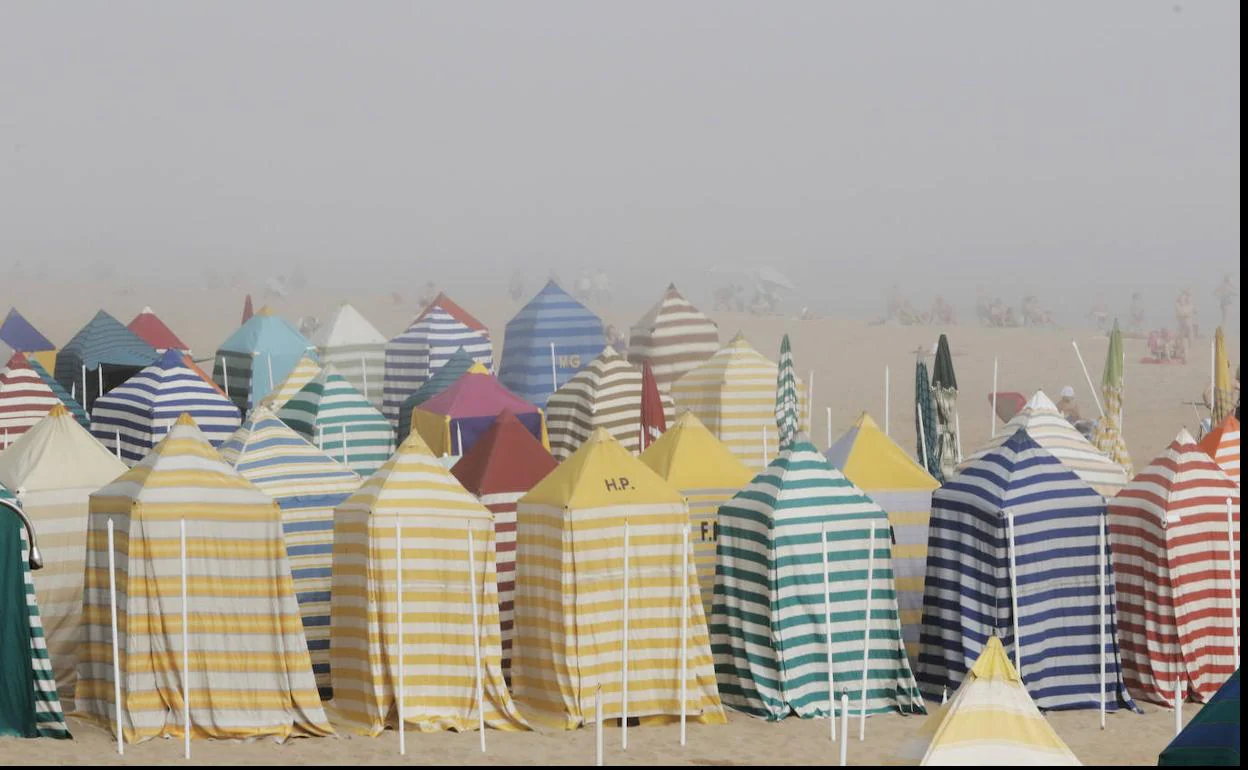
887, 398
459, 437
85, 405
320, 437
99, 377
364, 375
1018, 642
1178, 700
829, 427
112, 596
957, 434
346, 451
400, 692
117, 433
624, 659
1102, 597
476, 637
554, 370
598, 726
1088, 377
186, 653
866, 636
992, 420
273, 385
1230, 547
684, 633
918, 413
844, 727
225, 374
827, 630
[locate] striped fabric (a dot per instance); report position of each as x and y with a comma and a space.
307, 486
787, 422
1222, 444
569, 594
334, 416
734, 395
1057, 521
768, 631
304, 372
926, 427
67, 400
945, 398
439, 675
356, 349
250, 671
551, 318
143, 410
1048, 428
257, 356
25, 399
450, 372
606, 394
673, 337
1169, 533
1107, 438
102, 343
437, 334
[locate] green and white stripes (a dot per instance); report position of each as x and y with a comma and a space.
335, 417
786, 396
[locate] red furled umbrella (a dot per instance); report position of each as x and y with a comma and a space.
247, 311
653, 422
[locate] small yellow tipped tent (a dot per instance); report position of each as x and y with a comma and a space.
304, 372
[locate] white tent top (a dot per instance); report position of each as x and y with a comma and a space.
58, 453
347, 328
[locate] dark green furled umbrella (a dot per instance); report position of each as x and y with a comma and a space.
945, 393
927, 443
1212, 737
787, 419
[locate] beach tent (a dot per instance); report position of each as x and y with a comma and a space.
67, 400
1048, 428
734, 395
443, 378
25, 399
547, 342
876, 465
56, 465
673, 337
29, 704
1222, 444
768, 627
257, 356
1171, 540
334, 416
356, 349
149, 328
250, 674
304, 372
1016, 527
101, 356
466, 410
140, 412
499, 469
426, 345
606, 394
708, 474
21, 336
569, 594
440, 577
1211, 739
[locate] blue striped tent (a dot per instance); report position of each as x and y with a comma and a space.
257, 357
102, 352
967, 595
551, 318
307, 485
142, 410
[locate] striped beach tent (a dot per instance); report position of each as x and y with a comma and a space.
768, 627
440, 331
606, 394
56, 465
356, 349
874, 463
1173, 542
67, 400
101, 356
1048, 428
334, 416
570, 531
734, 395
440, 575
689, 457
452, 421
307, 486
140, 412
31, 707
149, 328
1212, 738
1222, 444
250, 674
673, 337
1020, 495
499, 469
547, 342
257, 356
304, 372
450, 372
25, 399
21, 336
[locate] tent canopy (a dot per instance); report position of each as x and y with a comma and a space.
673, 337
1212, 737
149, 328
552, 318
467, 409
1222, 444
20, 334
257, 356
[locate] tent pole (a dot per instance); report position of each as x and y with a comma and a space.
459, 436
112, 596
829, 427
918, 413
624, 659
225, 374
118, 434
476, 636
1101, 603
992, 418
554, 375
957, 434
85, 405
827, 630
346, 451
186, 653
1178, 701
844, 727
684, 632
866, 636
272, 385
1230, 547
1088, 377
598, 726
400, 692
887, 388
99, 377
1018, 642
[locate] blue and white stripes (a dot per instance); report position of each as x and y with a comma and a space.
551, 318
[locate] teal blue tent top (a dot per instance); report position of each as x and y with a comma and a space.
103, 341
257, 357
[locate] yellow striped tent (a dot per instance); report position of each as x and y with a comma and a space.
708, 474
250, 674
569, 604
304, 372
413, 490
734, 395
54, 467
673, 337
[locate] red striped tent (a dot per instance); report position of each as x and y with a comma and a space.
1170, 539
1222, 444
25, 399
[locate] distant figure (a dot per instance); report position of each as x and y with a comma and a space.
942, 312
582, 287
601, 288
1100, 315
1138, 313
1227, 294
308, 325
429, 295
515, 289
617, 340
1033, 314
998, 314
1184, 314
1068, 406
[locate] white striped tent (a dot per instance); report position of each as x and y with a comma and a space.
356, 349
734, 395
250, 674
606, 394
426, 345
141, 411
307, 485
25, 399
674, 337
304, 372
768, 628
1222, 444
414, 492
334, 416
1048, 428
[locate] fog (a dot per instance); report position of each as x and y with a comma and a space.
1070, 148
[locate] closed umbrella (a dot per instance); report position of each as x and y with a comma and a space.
1108, 434
653, 420
928, 447
945, 394
1223, 398
786, 396
247, 310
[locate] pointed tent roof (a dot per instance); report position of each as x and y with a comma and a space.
67, 400
552, 317
417, 483
248, 312
24, 397
1179, 482
508, 458
581, 480
275, 458
149, 328
347, 328
447, 305
304, 372
58, 453
104, 341
689, 456
673, 337
265, 331
455, 367
20, 334
327, 409
1222, 444
477, 394
1212, 737
874, 461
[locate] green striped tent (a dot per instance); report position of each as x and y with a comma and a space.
336, 418
768, 629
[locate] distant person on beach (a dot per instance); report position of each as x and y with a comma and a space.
1227, 294
515, 289
942, 312
1184, 314
1068, 406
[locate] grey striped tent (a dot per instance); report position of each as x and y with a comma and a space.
334, 416
768, 629
673, 337
356, 349
968, 598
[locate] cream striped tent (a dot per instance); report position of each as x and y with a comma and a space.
606, 394
414, 492
25, 399
1048, 428
250, 671
1222, 444
307, 485
673, 337
334, 416
569, 594
708, 474
356, 349
304, 372
55, 466
734, 395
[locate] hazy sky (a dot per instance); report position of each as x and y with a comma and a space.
950, 143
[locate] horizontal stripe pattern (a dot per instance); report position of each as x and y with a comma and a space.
355, 348
103, 342
1222, 444
674, 337
304, 372
550, 318
25, 399
331, 414
49, 719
